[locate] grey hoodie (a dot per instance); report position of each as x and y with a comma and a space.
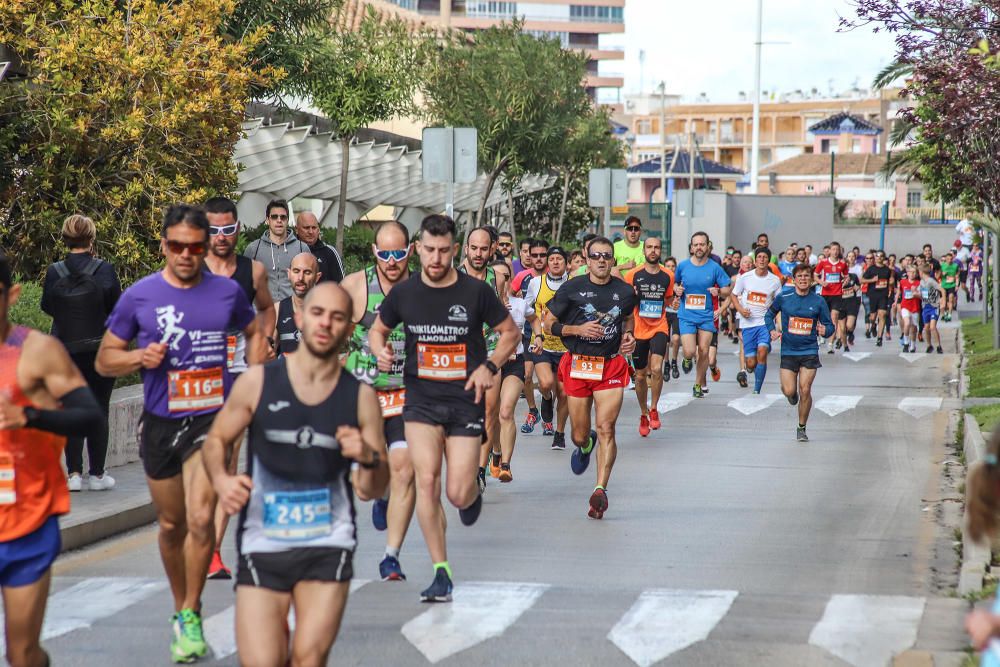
276, 258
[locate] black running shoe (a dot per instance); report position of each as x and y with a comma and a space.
850, 338
687, 364
838, 344
878, 343
440, 589
741, 378
471, 513
673, 370
559, 441
939, 350
930, 348
546, 408
800, 434
793, 399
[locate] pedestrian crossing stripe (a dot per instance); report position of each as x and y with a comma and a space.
751, 403
833, 405
920, 406
912, 356
868, 630
857, 356
673, 401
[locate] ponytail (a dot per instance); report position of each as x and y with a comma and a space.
982, 496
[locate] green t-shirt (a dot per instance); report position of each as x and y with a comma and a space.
623, 253
948, 273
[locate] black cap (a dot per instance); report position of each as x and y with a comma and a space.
557, 250
6, 279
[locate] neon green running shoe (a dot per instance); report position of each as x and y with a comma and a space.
188, 644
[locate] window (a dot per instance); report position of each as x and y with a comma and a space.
598, 14
824, 145
914, 199
406, 4
810, 188
855, 145
491, 9
563, 37
644, 126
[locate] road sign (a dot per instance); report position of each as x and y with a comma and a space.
449, 156
866, 194
608, 189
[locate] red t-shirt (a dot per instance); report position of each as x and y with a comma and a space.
831, 276
911, 288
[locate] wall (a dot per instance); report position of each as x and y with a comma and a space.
899, 239
786, 219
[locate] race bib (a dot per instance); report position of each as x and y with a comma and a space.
230, 351
195, 389
587, 368
694, 302
881, 284
907, 294
8, 492
832, 278
925, 293
756, 299
651, 309
297, 515
392, 402
801, 326
441, 362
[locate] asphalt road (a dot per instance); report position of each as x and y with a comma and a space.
726, 543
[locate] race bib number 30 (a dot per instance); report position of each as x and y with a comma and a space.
392, 402
441, 362
801, 326
587, 368
8, 492
297, 515
694, 302
195, 389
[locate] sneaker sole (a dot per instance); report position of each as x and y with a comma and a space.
221, 575
395, 577
506, 478
435, 598
596, 511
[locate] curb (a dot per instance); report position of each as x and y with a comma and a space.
113, 521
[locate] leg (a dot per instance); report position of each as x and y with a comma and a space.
221, 520
690, 344
608, 404
704, 339
579, 418
319, 609
426, 445
760, 367
168, 498
642, 390
261, 636
460, 486
789, 381
562, 408
675, 344
402, 497
655, 378
509, 393
806, 377
529, 384
24, 611
97, 447
200, 540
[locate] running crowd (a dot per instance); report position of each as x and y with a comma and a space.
365, 385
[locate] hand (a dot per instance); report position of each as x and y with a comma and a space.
714, 291
152, 355
11, 416
628, 343
744, 312
821, 329
271, 353
775, 334
979, 625
591, 330
480, 380
352, 445
385, 358
717, 313
679, 289
536, 345
233, 492
676, 303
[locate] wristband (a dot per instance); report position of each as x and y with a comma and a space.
557, 329
491, 367
374, 463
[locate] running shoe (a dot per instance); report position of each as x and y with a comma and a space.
547, 428
939, 350
103, 482
189, 643
847, 348
888, 333
755, 392
838, 344
481, 479
546, 411
687, 364
930, 348
697, 391
654, 420
494, 464
704, 390
829, 350
598, 504
470, 514
529, 421
390, 570
673, 369
800, 434
217, 569
741, 379
558, 440
643, 426
440, 589
850, 338
505, 474
380, 514
878, 342
716, 374
793, 399
579, 461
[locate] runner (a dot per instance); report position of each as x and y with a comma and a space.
43, 398
629, 250
878, 277
804, 315
909, 308
368, 289
697, 279
654, 288
304, 273
670, 364
931, 294
297, 532
537, 256
975, 272
851, 300
830, 273
539, 293
593, 316
752, 295
949, 281
447, 375
180, 318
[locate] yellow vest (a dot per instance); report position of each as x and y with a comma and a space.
545, 294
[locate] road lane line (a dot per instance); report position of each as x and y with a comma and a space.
920, 406
663, 622
479, 611
857, 356
868, 630
833, 405
912, 356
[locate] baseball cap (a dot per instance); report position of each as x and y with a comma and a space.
557, 250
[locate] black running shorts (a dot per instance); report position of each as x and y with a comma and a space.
165, 444
282, 570
648, 347
796, 362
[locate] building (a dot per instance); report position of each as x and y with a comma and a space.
644, 178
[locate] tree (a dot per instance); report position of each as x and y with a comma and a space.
523, 94
361, 75
122, 113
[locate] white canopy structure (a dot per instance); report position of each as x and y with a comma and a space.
283, 161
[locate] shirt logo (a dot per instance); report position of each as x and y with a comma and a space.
286, 320
457, 314
614, 297
167, 320
278, 406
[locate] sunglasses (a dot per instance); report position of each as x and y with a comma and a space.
178, 247
607, 255
539, 255
396, 255
227, 230
633, 228
278, 216
505, 245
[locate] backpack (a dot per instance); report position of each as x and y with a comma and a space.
78, 303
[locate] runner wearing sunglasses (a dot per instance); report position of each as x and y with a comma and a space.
629, 251
368, 289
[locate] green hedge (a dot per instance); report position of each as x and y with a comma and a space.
27, 311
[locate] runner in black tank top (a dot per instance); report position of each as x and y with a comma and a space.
315, 439
303, 274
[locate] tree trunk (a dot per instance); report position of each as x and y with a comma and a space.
562, 207
494, 175
510, 208
345, 149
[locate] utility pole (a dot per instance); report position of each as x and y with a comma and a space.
690, 212
663, 144
755, 142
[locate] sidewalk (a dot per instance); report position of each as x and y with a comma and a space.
96, 515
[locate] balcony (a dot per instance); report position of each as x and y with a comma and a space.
604, 81
600, 52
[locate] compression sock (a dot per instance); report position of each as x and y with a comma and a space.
443, 566
392, 552
758, 376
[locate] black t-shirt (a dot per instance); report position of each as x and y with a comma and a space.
934, 263
880, 273
580, 301
731, 270
444, 334
851, 286
105, 277
329, 262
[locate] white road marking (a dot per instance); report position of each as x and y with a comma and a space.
857, 356
868, 630
220, 629
912, 356
920, 406
752, 403
479, 611
663, 622
673, 401
834, 405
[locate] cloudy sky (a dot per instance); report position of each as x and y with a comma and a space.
707, 46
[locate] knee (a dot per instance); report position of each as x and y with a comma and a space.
401, 474
428, 483
460, 491
580, 434
172, 529
656, 373
605, 430
506, 413
200, 521
310, 656
805, 392
751, 363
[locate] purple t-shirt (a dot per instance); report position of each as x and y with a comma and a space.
193, 379
516, 267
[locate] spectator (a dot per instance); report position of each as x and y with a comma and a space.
275, 249
809, 254
331, 266
505, 246
79, 293
966, 232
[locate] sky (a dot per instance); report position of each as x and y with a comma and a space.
706, 46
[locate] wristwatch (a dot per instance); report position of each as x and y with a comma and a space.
30, 415
374, 463
491, 367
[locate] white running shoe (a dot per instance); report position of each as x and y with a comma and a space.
102, 483
74, 482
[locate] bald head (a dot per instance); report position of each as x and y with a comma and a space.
480, 237
303, 273
307, 227
331, 296
392, 235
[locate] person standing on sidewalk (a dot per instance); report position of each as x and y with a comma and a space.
180, 318
331, 266
79, 293
275, 249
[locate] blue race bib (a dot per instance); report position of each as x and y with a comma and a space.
650, 309
297, 515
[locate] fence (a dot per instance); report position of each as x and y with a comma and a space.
909, 215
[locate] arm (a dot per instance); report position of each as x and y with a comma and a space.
588, 330
769, 316
267, 315
228, 426
46, 287
377, 336
114, 359
367, 446
824, 319
257, 346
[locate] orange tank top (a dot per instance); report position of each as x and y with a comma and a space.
32, 482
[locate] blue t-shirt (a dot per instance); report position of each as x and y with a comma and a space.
696, 302
194, 323
786, 268
799, 315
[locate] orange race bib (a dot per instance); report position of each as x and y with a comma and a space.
801, 326
8, 492
230, 350
195, 389
441, 362
881, 284
392, 401
756, 299
694, 302
587, 368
